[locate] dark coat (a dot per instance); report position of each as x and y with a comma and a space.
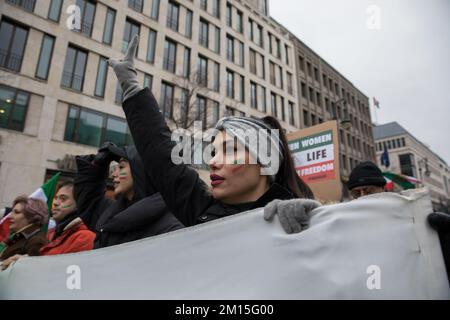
186, 195
119, 221
28, 241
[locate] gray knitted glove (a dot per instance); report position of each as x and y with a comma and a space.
294, 214
125, 71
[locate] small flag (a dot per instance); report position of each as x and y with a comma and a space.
400, 180
389, 184
4, 226
46, 193
385, 161
376, 103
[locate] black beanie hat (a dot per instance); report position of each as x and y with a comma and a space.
366, 174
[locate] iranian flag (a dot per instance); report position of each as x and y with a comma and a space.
389, 184
45, 193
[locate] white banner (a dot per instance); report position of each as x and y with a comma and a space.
377, 247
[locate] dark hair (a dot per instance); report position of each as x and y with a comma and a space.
287, 176
67, 183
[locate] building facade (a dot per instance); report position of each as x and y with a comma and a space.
323, 95
411, 157
206, 58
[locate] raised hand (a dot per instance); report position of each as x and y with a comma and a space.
126, 72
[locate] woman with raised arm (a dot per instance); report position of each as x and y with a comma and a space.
235, 187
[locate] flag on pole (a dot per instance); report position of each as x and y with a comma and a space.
385, 161
376, 103
45, 193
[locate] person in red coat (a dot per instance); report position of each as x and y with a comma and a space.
70, 234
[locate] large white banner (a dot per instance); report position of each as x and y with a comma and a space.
377, 247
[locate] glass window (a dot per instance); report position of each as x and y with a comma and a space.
74, 69
45, 57
216, 8
167, 100
229, 15
90, 128
217, 40
241, 54
230, 48
408, 164
54, 11
154, 14
216, 75
230, 84
172, 16
253, 61
291, 114
119, 94
12, 45
101, 77
151, 46
204, 4
253, 95
170, 53
131, 28
240, 22
188, 28
187, 63
204, 33
13, 108
135, 5
215, 112
241, 88
274, 105
148, 81
93, 128
264, 99
202, 71
109, 26
26, 4
116, 131
200, 114
87, 9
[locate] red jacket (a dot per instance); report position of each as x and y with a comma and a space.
75, 238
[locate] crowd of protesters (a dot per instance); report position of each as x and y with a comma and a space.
153, 195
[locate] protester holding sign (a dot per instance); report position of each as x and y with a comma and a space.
236, 187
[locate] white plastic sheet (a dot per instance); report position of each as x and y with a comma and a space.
377, 247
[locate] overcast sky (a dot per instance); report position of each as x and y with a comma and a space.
405, 64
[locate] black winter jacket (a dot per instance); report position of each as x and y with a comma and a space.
186, 195
119, 221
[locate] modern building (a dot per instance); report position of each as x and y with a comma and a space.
325, 94
203, 58
411, 157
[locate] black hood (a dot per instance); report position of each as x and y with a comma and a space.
141, 183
